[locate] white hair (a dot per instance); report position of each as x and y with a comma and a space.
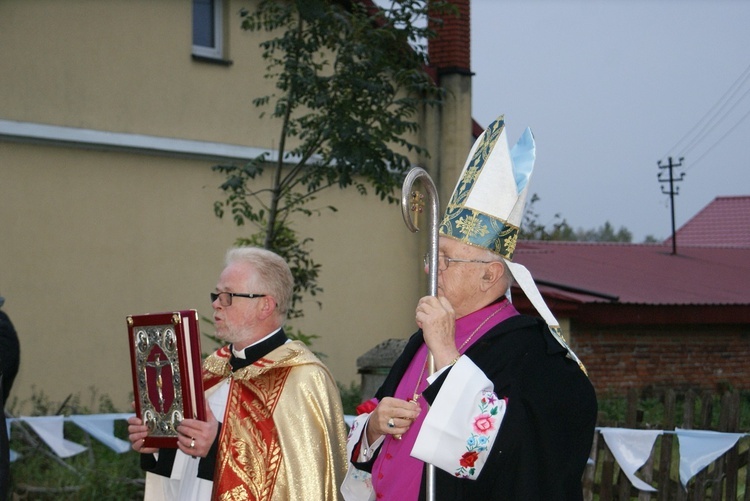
273, 272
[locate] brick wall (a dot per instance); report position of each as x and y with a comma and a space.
451, 49
696, 357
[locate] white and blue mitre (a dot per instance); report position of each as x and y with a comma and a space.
487, 205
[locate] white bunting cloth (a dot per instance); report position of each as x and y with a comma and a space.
102, 428
699, 448
50, 429
631, 449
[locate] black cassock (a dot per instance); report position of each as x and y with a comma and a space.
545, 437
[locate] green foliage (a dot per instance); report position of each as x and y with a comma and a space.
532, 229
560, 230
605, 233
349, 82
351, 397
612, 411
96, 474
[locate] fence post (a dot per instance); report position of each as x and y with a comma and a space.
665, 453
688, 417
606, 489
631, 421
701, 479
732, 457
589, 473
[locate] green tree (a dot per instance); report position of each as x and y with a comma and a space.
605, 233
560, 230
533, 229
349, 82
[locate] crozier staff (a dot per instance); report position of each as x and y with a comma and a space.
275, 427
509, 412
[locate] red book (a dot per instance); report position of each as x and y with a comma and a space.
165, 359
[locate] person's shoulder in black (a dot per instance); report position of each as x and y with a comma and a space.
9, 353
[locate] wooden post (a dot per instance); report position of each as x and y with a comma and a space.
688, 418
631, 421
701, 479
589, 473
733, 455
606, 489
665, 452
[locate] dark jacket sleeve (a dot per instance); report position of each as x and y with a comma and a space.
163, 465
545, 437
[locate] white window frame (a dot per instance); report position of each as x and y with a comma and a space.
217, 51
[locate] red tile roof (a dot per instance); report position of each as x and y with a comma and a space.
643, 274
725, 222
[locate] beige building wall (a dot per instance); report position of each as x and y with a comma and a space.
108, 130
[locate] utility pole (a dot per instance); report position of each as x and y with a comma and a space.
673, 190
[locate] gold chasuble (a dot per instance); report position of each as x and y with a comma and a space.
283, 435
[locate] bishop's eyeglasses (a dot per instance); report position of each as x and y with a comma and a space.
444, 262
225, 298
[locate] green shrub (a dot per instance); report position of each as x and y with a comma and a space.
99, 473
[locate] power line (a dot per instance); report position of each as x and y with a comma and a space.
723, 137
710, 125
715, 114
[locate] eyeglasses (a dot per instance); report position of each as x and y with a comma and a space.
444, 262
225, 298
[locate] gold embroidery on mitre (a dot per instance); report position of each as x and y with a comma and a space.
476, 228
507, 240
471, 226
476, 164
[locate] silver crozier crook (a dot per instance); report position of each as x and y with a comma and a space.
412, 204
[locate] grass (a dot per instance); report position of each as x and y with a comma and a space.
98, 473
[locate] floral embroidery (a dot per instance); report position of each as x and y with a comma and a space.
367, 407
468, 459
355, 426
361, 476
484, 423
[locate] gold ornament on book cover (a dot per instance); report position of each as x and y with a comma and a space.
165, 360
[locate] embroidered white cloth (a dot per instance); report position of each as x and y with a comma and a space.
468, 408
357, 485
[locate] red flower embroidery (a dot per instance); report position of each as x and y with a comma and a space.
367, 407
484, 423
468, 459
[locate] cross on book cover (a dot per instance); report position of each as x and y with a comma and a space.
165, 356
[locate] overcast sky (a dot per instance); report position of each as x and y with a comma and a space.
610, 87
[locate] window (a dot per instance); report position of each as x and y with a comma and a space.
208, 30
